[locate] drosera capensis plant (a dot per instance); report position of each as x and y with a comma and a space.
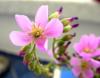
35, 35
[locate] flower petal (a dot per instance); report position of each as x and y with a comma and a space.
41, 17
54, 28
95, 63
20, 38
75, 61
85, 55
88, 73
42, 44
77, 47
50, 54
76, 71
24, 23
84, 41
96, 53
93, 43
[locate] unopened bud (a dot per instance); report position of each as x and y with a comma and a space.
72, 19
65, 22
61, 43
56, 14
67, 28
60, 10
75, 25
61, 50
68, 37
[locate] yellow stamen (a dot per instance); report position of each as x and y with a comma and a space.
36, 31
87, 50
84, 65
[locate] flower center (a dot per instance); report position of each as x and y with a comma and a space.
36, 31
87, 50
84, 65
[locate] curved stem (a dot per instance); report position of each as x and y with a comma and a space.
53, 47
34, 50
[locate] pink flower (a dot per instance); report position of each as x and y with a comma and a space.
83, 67
37, 31
88, 46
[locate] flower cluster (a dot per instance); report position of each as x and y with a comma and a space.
88, 49
35, 35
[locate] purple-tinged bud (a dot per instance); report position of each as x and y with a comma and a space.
65, 21
56, 14
73, 18
60, 10
75, 25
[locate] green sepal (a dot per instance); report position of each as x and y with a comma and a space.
54, 15
28, 57
60, 43
61, 50
67, 28
67, 37
65, 21
26, 48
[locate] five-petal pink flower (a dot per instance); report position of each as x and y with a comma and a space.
37, 31
88, 46
84, 67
